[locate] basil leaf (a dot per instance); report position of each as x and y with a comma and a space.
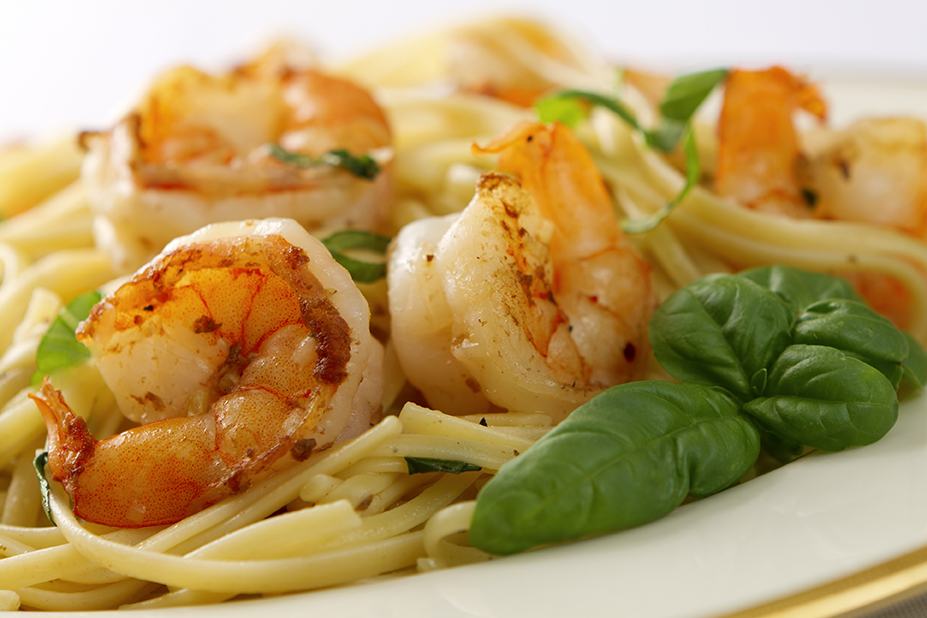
820, 397
362, 166
801, 288
39, 464
421, 465
682, 98
855, 329
565, 110
780, 449
915, 364
346, 240
693, 175
59, 348
687, 92
722, 330
626, 457
551, 102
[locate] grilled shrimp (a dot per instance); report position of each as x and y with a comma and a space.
199, 149
874, 171
758, 144
532, 298
242, 348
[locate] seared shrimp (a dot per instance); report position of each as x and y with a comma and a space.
758, 144
197, 150
874, 171
532, 299
243, 347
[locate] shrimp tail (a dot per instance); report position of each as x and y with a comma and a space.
70, 443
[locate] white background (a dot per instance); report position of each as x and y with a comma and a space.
77, 63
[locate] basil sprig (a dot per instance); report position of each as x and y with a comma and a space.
681, 100
774, 356
362, 166
59, 347
347, 240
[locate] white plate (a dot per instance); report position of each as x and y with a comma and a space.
816, 520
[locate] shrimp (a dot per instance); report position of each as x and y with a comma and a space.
758, 144
243, 348
531, 299
197, 150
874, 171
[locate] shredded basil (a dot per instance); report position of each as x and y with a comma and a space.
421, 465
362, 166
347, 240
59, 348
682, 99
39, 464
693, 175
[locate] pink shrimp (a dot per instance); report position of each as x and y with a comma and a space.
532, 298
243, 348
197, 150
758, 145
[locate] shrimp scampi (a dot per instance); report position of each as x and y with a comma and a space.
532, 299
200, 149
242, 349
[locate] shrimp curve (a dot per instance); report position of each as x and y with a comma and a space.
243, 348
531, 299
197, 150
758, 144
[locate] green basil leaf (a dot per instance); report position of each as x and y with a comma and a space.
39, 464
666, 137
421, 465
594, 98
780, 449
820, 397
626, 457
682, 98
566, 111
347, 240
687, 92
801, 288
693, 175
855, 329
915, 364
59, 348
362, 166
721, 331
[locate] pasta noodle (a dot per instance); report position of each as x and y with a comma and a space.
353, 511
